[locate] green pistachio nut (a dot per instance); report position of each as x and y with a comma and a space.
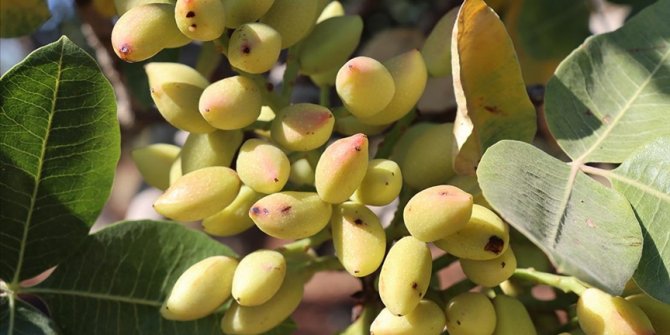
291, 215
258, 277
213, 149
381, 185
358, 237
201, 20
302, 14
302, 127
330, 43
365, 86
263, 166
437, 212
254, 47
145, 30
176, 90
199, 194
234, 218
409, 77
201, 289
470, 313
405, 275
154, 162
231, 103
600, 313
426, 319
492, 272
341, 168
485, 236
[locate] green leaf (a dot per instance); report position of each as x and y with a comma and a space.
22, 17
552, 29
644, 179
587, 229
24, 319
59, 144
636, 5
611, 95
117, 281
492, 101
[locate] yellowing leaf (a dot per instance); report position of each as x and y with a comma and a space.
492, 101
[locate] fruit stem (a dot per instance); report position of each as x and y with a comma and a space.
386, 147
396, 228
324, 263
221, 44
456, 289
208, 59
305, 244
564, 283
443, 261
290, 74
12, 311
362, 323
324, 96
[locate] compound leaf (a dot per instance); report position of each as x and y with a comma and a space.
612, 94
117, 282
59, 145
644, 179
587, 229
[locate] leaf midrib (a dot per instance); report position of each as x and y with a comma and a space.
38, 176
580, 162
582, 159
640, 186
92, 295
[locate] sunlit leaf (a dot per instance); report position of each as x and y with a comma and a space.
612, 95
59, 144
118, 280
587, 229
492, 101
644, 178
